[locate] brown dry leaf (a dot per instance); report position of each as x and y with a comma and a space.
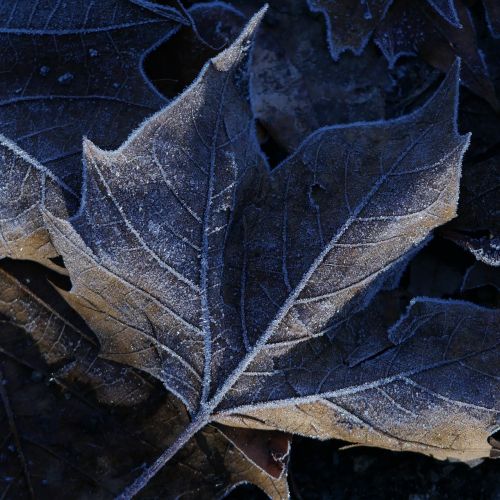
25, 188
221, 281
60, 343
435, 389
59, 437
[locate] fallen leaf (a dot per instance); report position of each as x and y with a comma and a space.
435, 391
349, 25
61, 424
69, 352
26, 187
72, 69
411, 28
223, 269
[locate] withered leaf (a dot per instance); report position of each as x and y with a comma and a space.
72, 69
434, 391
162, 255
412, 28
61, 429
349, 24
59, 345
194, 263
26, 187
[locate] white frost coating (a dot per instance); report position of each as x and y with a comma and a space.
393, 332
403, 376
337, 48
169, 272
453, 75
4, 141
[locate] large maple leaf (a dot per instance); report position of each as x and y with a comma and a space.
190, 260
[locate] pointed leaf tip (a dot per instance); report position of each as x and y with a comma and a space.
233, 54
92, 152
445, 99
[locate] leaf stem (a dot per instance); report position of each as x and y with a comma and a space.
130, 491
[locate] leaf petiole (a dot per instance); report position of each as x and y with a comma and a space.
134, 488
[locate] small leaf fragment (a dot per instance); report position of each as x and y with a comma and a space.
26, 189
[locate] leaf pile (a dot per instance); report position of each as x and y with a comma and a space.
254, 261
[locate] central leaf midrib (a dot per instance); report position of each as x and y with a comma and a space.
204, 264
234, 376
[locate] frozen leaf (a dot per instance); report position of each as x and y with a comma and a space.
412, 28
349, 24
68, 351
25, 188
190, 261
72, 69
159, 260
434, 391
54, 364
